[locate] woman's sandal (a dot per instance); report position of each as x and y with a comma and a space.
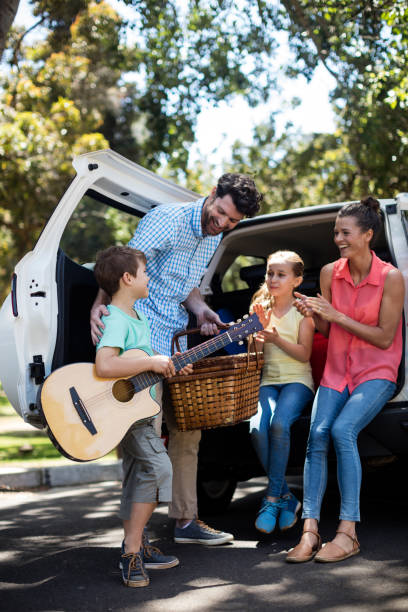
304, 552
331, 552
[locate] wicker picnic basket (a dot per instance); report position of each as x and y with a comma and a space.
221, 390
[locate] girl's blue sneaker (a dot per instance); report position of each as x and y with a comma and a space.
290, 506
267, 516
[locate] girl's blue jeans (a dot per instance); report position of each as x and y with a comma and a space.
278, 407
341, 416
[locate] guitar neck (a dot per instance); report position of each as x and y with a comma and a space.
147, 379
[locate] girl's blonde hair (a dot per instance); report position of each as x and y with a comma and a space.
262, 296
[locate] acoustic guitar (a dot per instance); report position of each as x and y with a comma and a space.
87, 416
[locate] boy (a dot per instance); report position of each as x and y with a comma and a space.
121, 272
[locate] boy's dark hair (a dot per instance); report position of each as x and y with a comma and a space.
243, 192
367, 213
112, 263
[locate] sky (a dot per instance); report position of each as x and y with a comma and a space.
237, 120
218, 127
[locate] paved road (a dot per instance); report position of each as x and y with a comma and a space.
59, 552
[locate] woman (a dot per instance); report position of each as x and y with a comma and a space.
360, 310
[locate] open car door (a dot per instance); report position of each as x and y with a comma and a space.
44, 322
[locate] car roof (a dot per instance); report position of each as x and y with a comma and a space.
301, 212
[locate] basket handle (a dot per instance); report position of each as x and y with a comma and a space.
256, 351
189, 332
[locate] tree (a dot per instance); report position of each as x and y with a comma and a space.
83, 86
364, 46
7, 14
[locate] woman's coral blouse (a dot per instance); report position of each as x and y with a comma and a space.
350, 360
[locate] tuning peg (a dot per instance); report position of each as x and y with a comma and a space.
231, 323
239, 320
245, 316
241, 342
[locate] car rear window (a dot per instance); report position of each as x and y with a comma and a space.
233, 277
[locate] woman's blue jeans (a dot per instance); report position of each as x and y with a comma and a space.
341, 416
278, 407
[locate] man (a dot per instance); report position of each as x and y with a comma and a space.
179, 240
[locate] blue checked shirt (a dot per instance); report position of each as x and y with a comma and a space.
177, 253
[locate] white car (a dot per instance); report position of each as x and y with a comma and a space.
44, 322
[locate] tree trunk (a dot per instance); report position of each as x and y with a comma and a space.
7, 14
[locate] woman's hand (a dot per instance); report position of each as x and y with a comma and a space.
322, 308
301, 304
315, 306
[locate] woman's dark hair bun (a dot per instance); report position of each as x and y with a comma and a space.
371, 203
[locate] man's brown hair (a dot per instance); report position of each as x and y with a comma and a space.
112, 263
243, 191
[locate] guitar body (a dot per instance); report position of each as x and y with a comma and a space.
107, 403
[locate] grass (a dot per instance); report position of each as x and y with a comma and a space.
37, 445
29, 447
5, 408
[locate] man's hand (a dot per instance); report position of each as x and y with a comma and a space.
97, 326
207, 319
209, 322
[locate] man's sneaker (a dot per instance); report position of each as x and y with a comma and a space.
153, 558
198, 532
267, 516
290, 506
133, 571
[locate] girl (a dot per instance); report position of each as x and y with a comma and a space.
360, 310
286, 385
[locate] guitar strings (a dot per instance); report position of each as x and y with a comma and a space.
94, 400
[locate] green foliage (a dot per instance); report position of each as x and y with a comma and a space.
364, 46
93, 227
93, 80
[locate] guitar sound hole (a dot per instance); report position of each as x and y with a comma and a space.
123, 390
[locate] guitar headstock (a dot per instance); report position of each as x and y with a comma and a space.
242, 329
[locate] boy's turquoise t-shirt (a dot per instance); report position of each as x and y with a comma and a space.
125, 332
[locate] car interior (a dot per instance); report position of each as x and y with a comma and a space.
77, 289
